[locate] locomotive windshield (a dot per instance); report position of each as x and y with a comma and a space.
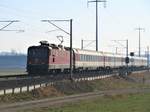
38, 55
38, 52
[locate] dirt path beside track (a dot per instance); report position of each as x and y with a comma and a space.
61, 100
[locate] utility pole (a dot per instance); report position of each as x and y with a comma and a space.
148, 57
71, 77
82, 44
140, 29
69, 33
97, 1
127, 53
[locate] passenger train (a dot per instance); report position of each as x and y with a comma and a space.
52, 59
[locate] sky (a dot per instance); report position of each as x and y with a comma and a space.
117, 21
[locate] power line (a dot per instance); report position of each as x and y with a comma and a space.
9, 22
96, 2
90, 42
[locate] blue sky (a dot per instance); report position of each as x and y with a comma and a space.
116, 22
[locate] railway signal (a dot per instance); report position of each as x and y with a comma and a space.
127, 60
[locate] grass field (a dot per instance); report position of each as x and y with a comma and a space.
116, 103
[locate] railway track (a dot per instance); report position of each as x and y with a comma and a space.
13, 76
17, 81
66, 99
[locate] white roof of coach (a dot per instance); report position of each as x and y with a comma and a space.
100, 53
87, 52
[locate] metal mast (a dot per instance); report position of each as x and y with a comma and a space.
140, 29
97, 1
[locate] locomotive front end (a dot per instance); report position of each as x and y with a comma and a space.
37, 59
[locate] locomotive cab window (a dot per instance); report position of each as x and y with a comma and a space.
38, 55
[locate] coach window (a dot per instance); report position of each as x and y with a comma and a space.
86, 57
96, 58
82, 57
90, 58
93, 58
100, 58
109, 59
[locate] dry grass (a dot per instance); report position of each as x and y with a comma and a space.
69, 88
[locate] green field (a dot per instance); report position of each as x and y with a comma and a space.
114, 103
